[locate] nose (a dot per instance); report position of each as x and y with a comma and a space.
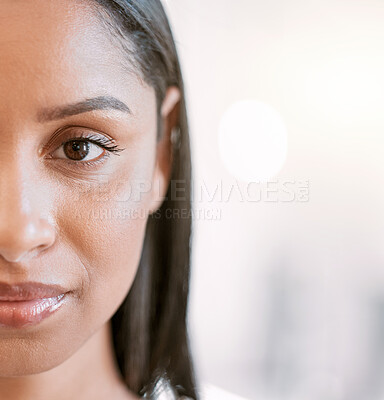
23, 230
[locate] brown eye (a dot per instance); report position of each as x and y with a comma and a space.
79, 150
76, 149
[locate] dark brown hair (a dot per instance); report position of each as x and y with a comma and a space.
149, 328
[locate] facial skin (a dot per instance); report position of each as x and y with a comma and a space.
62, 222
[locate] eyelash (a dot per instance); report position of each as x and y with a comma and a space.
103, 142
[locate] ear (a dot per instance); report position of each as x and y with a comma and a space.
169, 114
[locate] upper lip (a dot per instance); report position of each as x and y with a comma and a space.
25, 291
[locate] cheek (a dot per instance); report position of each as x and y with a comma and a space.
106, 229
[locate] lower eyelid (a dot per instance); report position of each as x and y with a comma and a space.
85, 166
89, 163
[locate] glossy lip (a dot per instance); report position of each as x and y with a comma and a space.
28, 303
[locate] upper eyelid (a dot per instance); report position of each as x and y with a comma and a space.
91, 138
105, 143
57, 139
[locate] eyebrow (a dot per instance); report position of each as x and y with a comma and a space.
92, 104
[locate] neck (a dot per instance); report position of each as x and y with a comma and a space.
89, 374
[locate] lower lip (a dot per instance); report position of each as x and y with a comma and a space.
19, 314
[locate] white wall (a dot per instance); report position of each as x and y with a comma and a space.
287, 298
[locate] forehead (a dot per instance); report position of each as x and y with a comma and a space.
47, 29
56, 50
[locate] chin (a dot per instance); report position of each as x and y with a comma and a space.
26, 366
22, 356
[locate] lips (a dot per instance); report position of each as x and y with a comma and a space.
28, 303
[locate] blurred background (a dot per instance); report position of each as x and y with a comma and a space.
286, 104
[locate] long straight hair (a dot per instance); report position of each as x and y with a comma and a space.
149, 328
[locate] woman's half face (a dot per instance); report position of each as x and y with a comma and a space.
77, 173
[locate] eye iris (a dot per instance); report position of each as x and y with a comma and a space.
76, 149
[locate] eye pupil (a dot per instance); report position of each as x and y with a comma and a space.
76, 149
